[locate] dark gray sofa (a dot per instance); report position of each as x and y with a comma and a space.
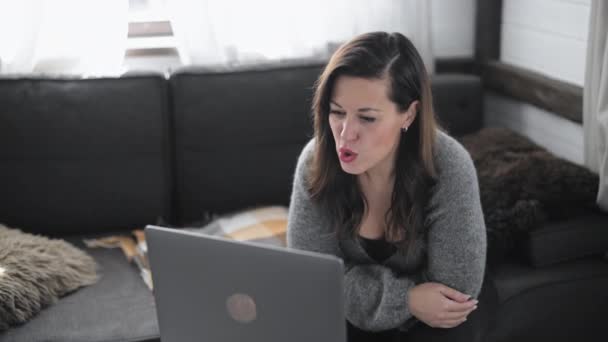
89, 157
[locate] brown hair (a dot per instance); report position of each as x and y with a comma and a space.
378, 55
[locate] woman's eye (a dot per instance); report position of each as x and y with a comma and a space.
336, 112
368, 119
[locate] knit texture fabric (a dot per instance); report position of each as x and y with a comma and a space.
455, 255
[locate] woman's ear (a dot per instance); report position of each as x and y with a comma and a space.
411, 113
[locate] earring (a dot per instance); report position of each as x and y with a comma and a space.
403, 129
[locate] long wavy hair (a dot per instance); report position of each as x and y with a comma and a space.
378, 55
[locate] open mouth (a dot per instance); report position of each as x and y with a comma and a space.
347, 155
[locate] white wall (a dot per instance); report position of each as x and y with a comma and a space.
453, 28
548, 37
562, 137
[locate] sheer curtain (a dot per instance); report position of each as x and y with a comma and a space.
85, 37
239, 32
595, 98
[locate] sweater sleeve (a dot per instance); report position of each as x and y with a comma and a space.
375, 297
457, 233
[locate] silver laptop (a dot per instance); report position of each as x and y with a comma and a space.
212, 289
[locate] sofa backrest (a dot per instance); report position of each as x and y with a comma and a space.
237, 136
92, 155
239, 132
83, 155
457, 99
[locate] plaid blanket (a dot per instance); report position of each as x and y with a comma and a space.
267, 225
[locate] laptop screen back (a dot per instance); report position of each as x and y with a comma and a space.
211, 289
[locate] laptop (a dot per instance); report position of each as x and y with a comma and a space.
213, 289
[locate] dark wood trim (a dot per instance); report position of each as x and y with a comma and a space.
151, 52
562, 98
488, 20
463, 65
150, 29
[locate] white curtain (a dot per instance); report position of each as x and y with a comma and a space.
243, 31
595, 99
84, 37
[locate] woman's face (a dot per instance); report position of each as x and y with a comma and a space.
366, 125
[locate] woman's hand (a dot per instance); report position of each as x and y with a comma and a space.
439, 306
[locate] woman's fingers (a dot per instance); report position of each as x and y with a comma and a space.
455, 313
432, 304
452, 306
452, 315
453, 294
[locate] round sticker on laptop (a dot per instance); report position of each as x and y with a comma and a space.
241, 308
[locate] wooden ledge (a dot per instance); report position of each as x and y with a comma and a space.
562, 98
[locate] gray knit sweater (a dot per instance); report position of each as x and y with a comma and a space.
375, 294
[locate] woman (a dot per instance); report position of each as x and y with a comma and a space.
383, 188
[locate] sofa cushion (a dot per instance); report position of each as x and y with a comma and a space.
80, 155
556, 303
119, 307
457, 100
238, 134
566, 240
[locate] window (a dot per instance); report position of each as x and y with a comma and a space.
151, 45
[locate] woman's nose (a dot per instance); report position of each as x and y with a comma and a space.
349, 130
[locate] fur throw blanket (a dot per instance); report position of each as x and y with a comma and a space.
35, 271
523, 186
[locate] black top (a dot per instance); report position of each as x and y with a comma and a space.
377, 249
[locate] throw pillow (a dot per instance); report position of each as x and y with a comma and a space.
35, 271
522, 186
